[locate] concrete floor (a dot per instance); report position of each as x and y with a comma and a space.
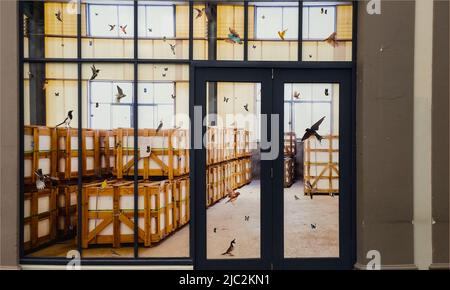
229, 220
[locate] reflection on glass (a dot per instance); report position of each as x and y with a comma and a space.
107, 29
273, 31
163, 30
311, 170
50, 159
233, 186
219, 31
327, 31
163, 121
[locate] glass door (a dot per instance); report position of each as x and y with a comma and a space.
233, 181
314, 199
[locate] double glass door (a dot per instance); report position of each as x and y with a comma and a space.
273, 155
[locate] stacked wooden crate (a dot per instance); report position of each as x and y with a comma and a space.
108, 211
67, 214
321, 165
290, 150
228, 158
39, 218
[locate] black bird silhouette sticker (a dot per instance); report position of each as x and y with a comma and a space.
120, 95
57, 94
226, 99
296, 95
253, 46
67, 120
159, 126
58, 16
164, 75
230, 248
172, 48
166, 69
111, 27
247, 218
296, 197
96, 105
150, 30
173, 96
95, 72
199, 12
215, 230
327, 93
124, 29
246, 107
313, 226
313, 131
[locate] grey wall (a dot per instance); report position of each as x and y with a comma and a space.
440, 134
9, 127
385, 79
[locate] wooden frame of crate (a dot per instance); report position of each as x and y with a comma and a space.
290, 144
229, 150
170, 156
321, 165
107, 158
108, 214
67, 218
182, 201
214, 150
289, 172
39, 218
67, 140
39, 152
241, 142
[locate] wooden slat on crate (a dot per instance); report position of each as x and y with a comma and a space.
321, 165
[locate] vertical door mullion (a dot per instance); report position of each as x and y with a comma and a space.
80, 131
136, 132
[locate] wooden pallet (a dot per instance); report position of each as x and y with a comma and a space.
321, 165
39, 218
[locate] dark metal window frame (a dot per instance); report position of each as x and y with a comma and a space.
193, 64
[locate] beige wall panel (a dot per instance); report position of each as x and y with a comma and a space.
251, 21
309, 50
58, 106
114, 72
228, 51
182, 21
182, 100
56, 47
60, 71
200, 49
200, 24
56, 27
26, 102
325, 51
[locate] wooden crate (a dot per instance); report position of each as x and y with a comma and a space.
181, 199
39, 218
159, 210
229, 151
215, 184
68, 153
169, 154
67, 214
321, 165
108, 214
39, 152
247, 170
107, 156
229, 180
242, 142
289, 171
290, 144
214, 148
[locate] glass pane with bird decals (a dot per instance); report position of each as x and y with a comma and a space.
233, 170
311, 170
50, 159
108, 138
163, 122
107, 29
327, 31
273, 31
49, 29
163, 29
218, 30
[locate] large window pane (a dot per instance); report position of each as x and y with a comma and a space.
107, 29
311, 171
327, 31
51, 159
164, 159
273, 31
